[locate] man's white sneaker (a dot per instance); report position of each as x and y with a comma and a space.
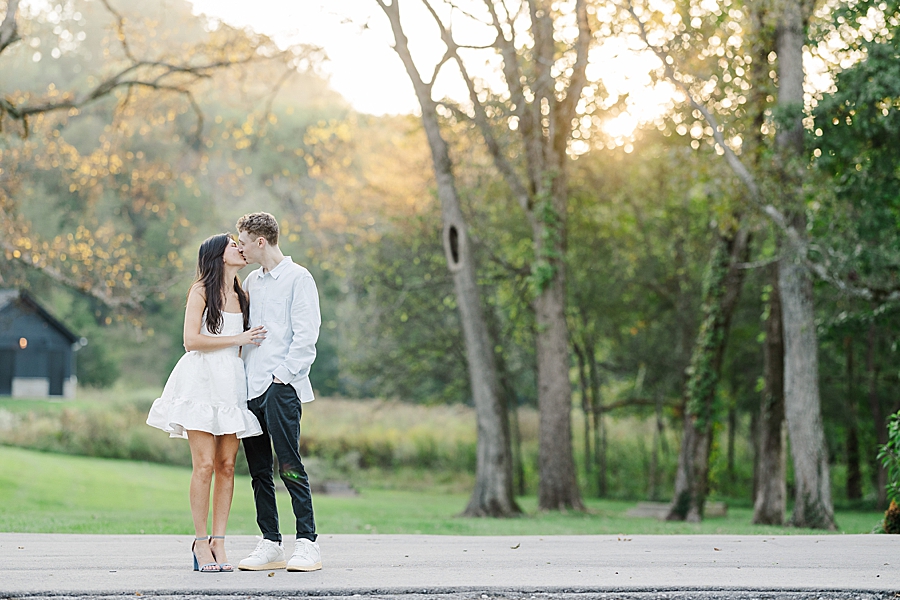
306, 556
268, 555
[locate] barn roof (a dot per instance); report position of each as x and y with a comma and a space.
8, 296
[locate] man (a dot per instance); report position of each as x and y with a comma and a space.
284, 299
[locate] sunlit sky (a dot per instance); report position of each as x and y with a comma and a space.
355, 34
364, 69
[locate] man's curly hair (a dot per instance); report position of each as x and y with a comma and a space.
260, 224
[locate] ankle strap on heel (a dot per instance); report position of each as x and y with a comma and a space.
217, 537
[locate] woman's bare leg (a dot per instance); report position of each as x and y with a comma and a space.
223, 492
203, 453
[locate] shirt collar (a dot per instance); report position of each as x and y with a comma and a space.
279, 267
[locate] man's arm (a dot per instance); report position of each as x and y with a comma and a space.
305, 323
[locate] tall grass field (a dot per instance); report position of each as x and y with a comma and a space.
353, 440
93, 465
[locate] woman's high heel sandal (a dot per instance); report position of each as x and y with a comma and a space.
207, 568
223, 567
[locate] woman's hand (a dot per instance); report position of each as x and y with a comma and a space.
253, 336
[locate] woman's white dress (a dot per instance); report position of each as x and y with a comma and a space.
207, 391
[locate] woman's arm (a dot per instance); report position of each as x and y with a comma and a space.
193, 323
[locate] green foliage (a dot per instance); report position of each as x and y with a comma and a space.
704, 376
787, 116
889, 455
547, 257
856, 131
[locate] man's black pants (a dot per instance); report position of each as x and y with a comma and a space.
278, 411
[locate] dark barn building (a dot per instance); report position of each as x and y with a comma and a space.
37, 352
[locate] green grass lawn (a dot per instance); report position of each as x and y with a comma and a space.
42, 492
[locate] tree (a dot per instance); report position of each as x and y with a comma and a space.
721, 290
779, 198
493, 493
131, 71
856, 126
770, 486
543, 88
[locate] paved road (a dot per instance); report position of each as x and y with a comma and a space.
422, 566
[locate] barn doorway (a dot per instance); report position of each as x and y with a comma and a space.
56, 371
7, 368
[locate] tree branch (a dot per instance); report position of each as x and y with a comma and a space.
120, 80
579, 69
437, 68
120, 30
401, 47
628, 402
9, 32
97, 292
481, 119
795, 239
529, 121
463, 11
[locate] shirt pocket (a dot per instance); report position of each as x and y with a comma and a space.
275, 311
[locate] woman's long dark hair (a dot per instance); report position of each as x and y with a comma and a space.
211, 274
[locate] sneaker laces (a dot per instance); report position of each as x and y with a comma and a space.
261, 548
303, 550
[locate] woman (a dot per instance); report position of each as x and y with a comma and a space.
205, 398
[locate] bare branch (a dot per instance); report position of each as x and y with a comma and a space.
765, 262
99, 293
463, 11
120, 30
511, 71
437, 68
275, 89
579, 74
9, 32
401, 47
121, 80
481, 119
528, 113
629, 402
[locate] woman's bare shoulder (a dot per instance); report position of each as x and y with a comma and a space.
198, 290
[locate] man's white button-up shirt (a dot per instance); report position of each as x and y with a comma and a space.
285, 301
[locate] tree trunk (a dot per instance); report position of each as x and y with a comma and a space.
657, 450
770, 494
854, 474
721, 290
812, 483
558, 487
732, 432
492, 495
518, 465
881, 433
587, 408
599, 424
512, 405
690, 478
812, 501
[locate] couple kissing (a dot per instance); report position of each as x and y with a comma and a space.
244, 378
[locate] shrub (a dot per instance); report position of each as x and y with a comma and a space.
892, 518
889, 455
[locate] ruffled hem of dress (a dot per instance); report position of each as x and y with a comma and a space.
176, 417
